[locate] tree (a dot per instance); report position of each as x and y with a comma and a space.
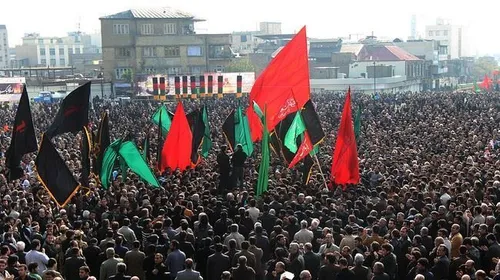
240, 65
484, 66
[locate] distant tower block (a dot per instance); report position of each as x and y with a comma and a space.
413, 27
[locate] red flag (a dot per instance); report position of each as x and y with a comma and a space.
487, 83
304, 149
345, 166
283, 87
176, 152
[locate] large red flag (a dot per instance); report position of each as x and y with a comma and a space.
487, 83
283, 87
176, 152
345, 166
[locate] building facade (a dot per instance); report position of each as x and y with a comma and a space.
160, 41
4, 47
51, 51
449, 35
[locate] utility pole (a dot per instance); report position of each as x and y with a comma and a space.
374, 78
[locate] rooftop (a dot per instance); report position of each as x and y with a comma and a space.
385, 53
153, 13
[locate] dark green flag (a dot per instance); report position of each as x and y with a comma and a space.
263, 180
165, 119
207, 142
133, 159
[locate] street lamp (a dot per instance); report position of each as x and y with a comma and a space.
374, 78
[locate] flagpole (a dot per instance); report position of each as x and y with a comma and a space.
321, 171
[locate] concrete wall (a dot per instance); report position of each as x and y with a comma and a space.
393, 84
358, 67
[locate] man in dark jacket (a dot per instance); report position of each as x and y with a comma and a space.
378, 272
312, 261
224, 169
217, 263
441, 268
121, 268
238, 160
73, 264
242, 271
389, 261
345, 273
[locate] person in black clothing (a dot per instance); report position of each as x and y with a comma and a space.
238, 160
224, 169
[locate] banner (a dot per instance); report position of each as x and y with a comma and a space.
11, 89
229, 83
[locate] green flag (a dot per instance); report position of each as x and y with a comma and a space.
207, 142
165, 119
257, 110
242, 132
357, 123
123, 168
297, 128
108, 161
476, 88
132, 157
263, 180
145, 149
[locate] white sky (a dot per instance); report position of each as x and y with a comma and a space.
324, 18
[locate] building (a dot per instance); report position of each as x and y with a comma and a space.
4, 47
51, 51
370, 67
452, 36
270, 28
160, 40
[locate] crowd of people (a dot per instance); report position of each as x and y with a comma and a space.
427, 206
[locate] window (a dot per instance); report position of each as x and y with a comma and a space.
42, 51
195, 70
170, 28
219, 68
77, 51
52, 51
149, 52
147, 29
1, 59
243, 38
120, 71
431, 33
43, 61
62, 62
52, 62
172, 51
40, 41
61, 51
122, 52
174, 70
445, 33
120, 29
219, 51
149, 70
194, 51
438, 33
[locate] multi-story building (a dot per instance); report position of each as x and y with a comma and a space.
452, 36
270, 28
4, 47
51, 51
160, 40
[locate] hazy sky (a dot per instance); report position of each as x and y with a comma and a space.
324, 18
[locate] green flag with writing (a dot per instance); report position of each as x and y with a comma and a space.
297, 128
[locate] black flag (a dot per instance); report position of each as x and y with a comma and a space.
23, 138
54, 174
73, 113
228, 130
86, 147
195, 120
102, 141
